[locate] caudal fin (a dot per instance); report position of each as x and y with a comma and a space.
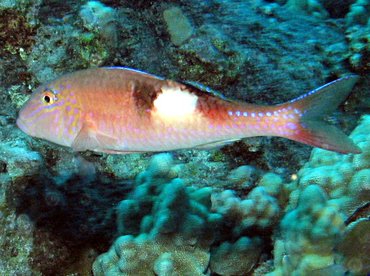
313, 106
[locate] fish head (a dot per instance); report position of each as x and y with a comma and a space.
50, 113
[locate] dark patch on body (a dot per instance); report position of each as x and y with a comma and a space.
210, 103
144, 93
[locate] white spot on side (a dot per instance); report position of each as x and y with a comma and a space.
291, 126
230, 113
245, 114
237, 113
174, 102
268, 114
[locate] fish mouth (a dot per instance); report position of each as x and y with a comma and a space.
20, 123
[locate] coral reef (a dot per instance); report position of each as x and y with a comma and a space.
226, 258
330, 170
178, 25
144, 256
311, 7
258, 209
100, 19
358, 34
309, 233
356, 236
171, 220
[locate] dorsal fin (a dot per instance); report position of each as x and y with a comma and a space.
202, 88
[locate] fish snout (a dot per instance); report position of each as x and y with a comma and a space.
22, 125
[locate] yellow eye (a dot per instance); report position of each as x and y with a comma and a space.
48, 97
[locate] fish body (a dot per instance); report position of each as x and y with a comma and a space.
122, 110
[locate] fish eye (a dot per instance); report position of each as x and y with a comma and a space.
48, 97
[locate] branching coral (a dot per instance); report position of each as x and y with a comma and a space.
161, 204
258, 209
309, 233
171, 220
329, 188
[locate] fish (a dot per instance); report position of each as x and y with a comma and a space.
121, 110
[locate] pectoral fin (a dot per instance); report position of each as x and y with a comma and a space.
89, 139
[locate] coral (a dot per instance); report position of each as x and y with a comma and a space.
311, 7
160, 201
258, 209
169, 218
100, 19
235, 259
345, 178
16, 240
198, 55
143, 256
241, 175
354, 247
16, 234
17, 98
309, 233
358, 34
359, 13
178, 25
172, 221
71, 49
19, 160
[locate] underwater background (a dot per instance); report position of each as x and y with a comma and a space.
262, 206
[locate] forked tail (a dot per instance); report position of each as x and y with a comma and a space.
310, 109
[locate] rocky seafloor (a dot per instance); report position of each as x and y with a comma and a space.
262, 206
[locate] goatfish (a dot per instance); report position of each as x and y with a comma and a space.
122, 110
